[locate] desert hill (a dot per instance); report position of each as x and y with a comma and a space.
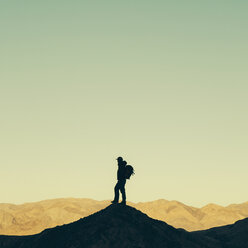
190, 218
32, 218
115, 226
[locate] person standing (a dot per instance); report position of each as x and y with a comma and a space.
121, 181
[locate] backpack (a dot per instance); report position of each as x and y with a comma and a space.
129, 171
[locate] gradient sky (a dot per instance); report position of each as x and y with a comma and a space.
162, 83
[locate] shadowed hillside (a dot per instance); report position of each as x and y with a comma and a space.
115, 226
231, 236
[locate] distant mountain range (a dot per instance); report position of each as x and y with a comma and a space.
32, 218
119, 226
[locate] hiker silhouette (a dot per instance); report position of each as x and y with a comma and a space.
120, 185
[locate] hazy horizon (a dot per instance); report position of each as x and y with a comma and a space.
135, 202
162, 83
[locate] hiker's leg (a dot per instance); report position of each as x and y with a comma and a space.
123, 191
117, 187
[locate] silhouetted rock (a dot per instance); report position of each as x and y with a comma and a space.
115, 226
230, 236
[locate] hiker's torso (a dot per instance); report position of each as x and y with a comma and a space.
121, 172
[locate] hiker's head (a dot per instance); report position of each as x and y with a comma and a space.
124, 162
119, 159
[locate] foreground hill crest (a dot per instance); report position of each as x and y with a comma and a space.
119, 226
115, 226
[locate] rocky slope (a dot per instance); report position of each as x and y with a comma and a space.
115, 226
31, 218
230, 236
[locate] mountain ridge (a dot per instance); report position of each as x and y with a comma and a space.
33, 217
115, 226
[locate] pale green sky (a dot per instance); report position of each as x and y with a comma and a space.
162, 83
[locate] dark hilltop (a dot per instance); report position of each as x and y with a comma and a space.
123, 226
